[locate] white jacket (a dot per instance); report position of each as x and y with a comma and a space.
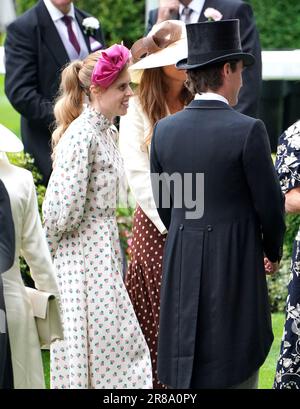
134, 129
31, 244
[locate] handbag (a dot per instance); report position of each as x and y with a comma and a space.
47, 316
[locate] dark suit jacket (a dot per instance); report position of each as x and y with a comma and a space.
34, 57
215, 324
7, 258
252, 76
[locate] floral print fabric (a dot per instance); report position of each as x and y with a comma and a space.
103, 346
288, 168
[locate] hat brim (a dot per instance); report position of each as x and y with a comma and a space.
167, 56
248, 60
9, 142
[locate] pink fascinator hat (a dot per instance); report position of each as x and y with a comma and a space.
109, 65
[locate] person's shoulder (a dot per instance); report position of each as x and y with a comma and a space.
83, 13
229, 3
80, 132
20, 178
153, 14
232, 5
25, 21
164, 127
21, 173
246, 123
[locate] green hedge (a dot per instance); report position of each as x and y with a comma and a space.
278, 22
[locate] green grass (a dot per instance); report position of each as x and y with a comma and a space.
267, 371
8, 116
46, 364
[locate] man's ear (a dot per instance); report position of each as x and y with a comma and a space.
226, 69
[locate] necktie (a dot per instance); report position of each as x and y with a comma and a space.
186, 15
72, 37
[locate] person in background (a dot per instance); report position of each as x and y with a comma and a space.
104, 347
38, 44
192, 11
30, 242
288, 169
160, 92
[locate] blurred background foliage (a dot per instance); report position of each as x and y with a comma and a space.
278, 22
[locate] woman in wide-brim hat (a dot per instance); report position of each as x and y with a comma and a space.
160, 92
21, 232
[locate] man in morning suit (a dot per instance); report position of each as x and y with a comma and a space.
192, 11
215, 322
38, 45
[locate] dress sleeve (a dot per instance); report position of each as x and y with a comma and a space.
136, 160
65, 199
288, 158
34, 245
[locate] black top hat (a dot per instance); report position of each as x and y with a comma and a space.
213, 42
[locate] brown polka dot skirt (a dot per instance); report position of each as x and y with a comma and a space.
143, 280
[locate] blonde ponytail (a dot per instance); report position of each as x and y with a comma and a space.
75, 84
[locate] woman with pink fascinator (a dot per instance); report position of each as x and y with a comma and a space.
160, 92
103, 346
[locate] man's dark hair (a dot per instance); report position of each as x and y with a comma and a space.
210, 77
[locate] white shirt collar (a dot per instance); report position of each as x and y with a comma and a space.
212, 96
195, 5
56, 14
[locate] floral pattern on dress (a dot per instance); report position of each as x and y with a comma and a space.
103, 346
288, 168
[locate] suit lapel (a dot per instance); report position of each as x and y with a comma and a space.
221, 6
205, 5
79, 18
50, 35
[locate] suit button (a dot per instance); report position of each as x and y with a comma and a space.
209, 228
181, 227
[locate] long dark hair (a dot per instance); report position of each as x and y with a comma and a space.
152, 92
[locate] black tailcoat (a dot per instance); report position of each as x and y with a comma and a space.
7, 257
34, 58
215, 323
252, 76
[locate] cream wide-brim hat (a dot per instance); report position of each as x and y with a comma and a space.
9, 142
169, 55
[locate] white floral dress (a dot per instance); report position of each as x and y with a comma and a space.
288, 169
104, 346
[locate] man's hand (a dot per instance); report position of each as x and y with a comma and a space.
167, 10
270, 268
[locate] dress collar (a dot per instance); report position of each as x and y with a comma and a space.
97, 118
